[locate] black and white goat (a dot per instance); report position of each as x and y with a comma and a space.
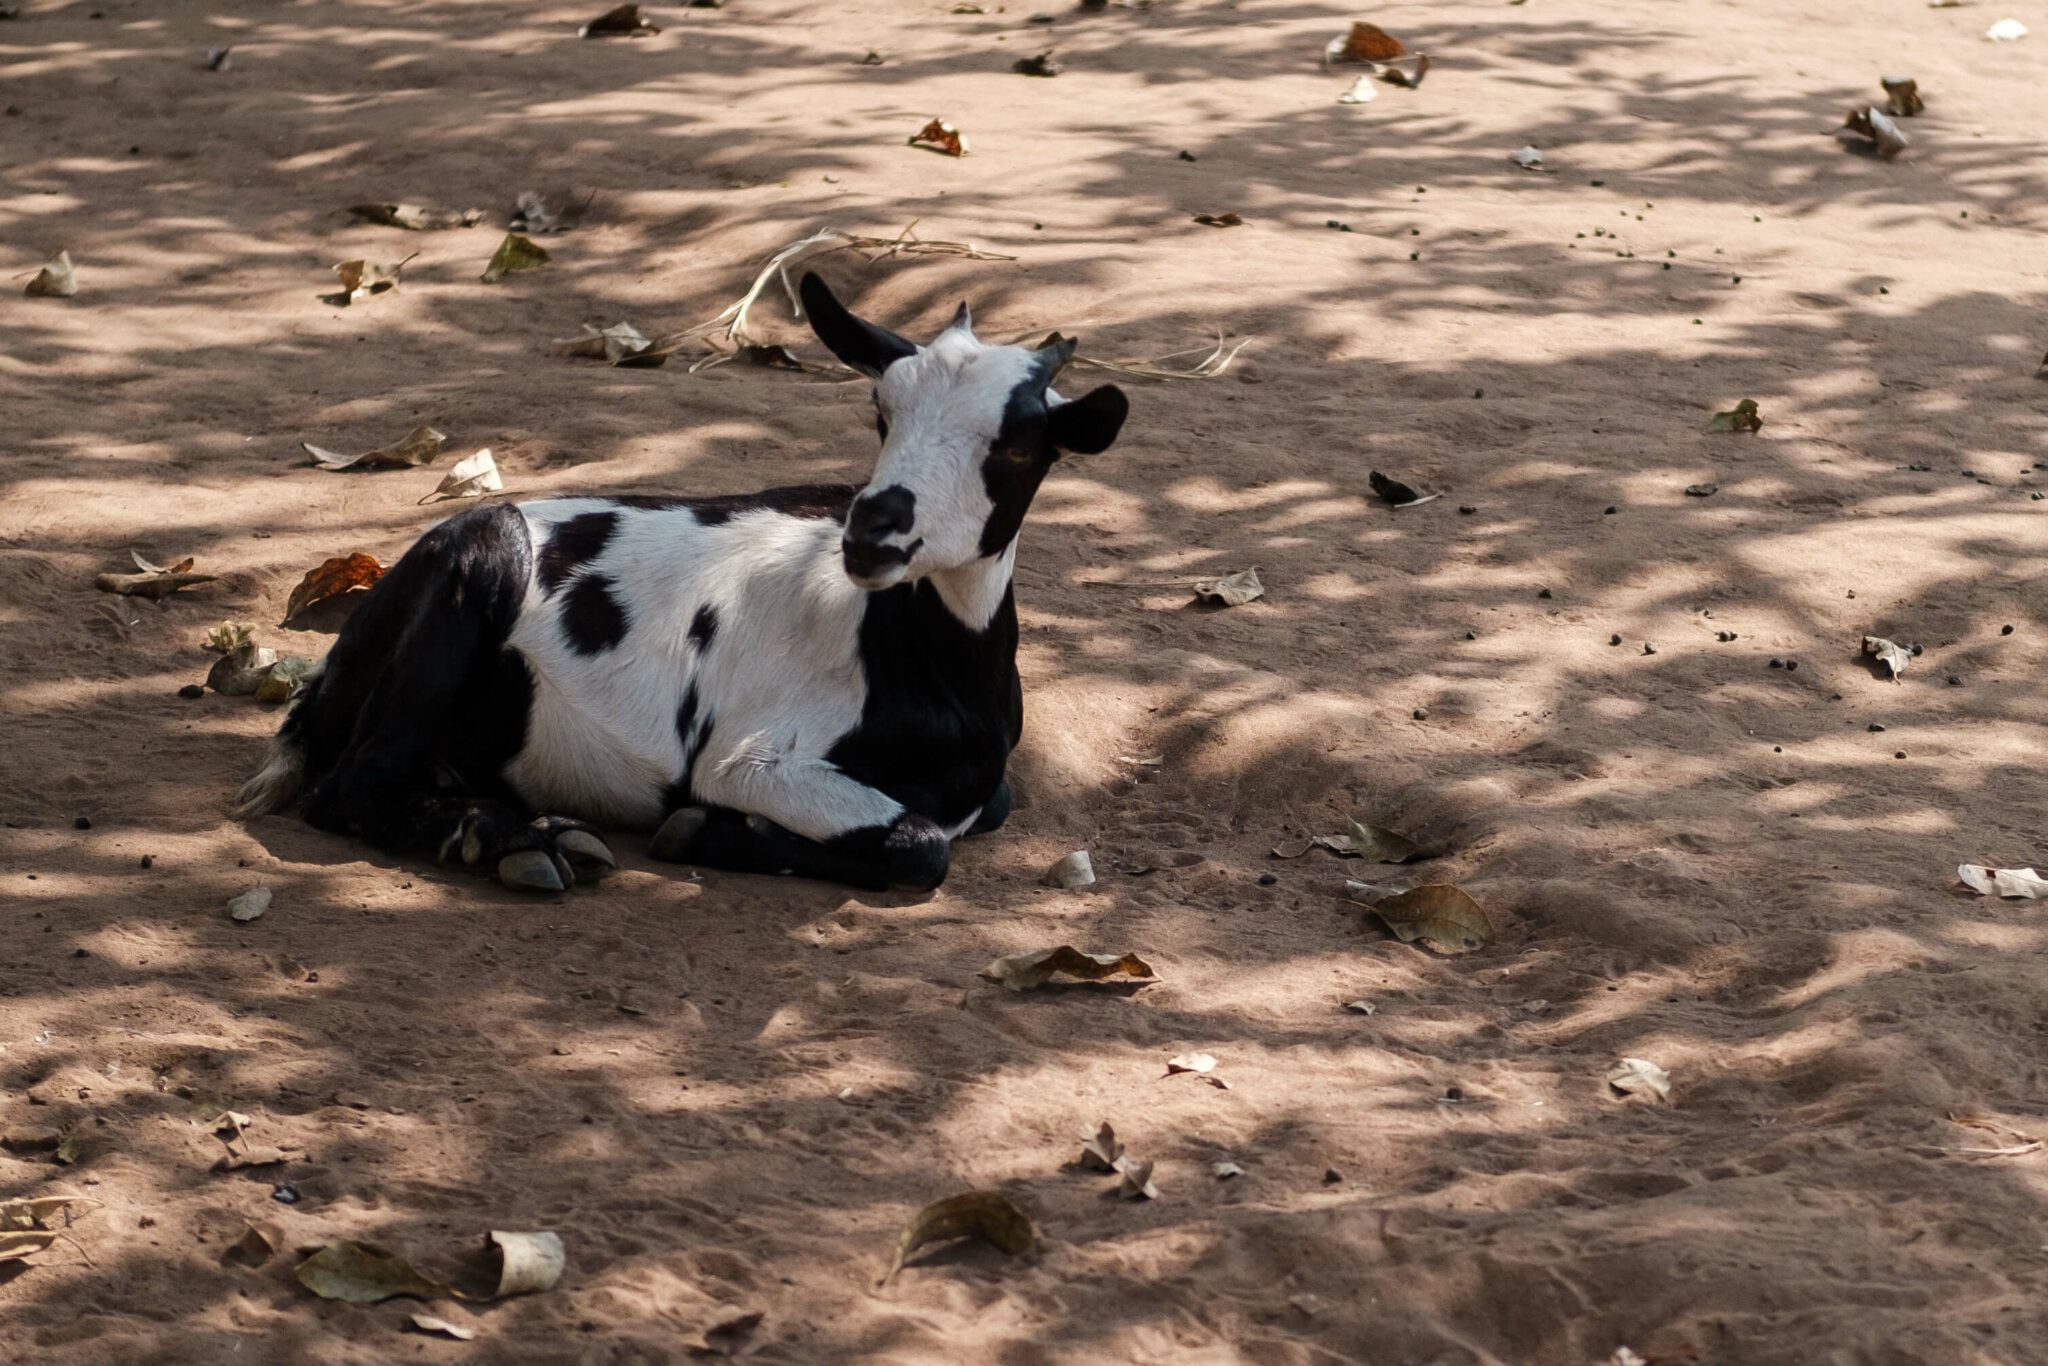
818, 680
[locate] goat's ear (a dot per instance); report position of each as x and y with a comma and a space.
866, 347
1088, 424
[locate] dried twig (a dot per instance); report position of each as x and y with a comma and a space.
1208, 367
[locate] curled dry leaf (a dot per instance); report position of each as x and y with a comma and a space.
22, 1245
513, 254
1640, 1077
1137, 1180
1223, 1171
1202, 1064
58, 279
229, 636
258, 1241
2020, 882
341, 575
1102, 1152
1743, 417
365, 1273
1396, 492
241, 671
30, 1213
429, 1323
245, 907
361, 279
1361, 1007
1219, 220
1902, 96
1701, 490
619, 344
1075, 870
1372, 46
283, 680
1893, 657
727, 1334
527, 1262
1438, 912
471, 478
1378, 844
422, 446
626, 21
1362, 91
417, 217
1871, 122
539, 211
1044, 64
1023, 971
1232, 590
942, 137
970, 1214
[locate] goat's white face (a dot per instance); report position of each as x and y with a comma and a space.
968, 432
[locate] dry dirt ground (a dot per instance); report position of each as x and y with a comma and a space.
734, 1091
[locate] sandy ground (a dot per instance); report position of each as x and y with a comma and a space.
734, 1091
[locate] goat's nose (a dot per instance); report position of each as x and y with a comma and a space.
884, 513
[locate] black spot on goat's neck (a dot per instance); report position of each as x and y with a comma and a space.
592, 619
1016, 463
572, 544
703, 627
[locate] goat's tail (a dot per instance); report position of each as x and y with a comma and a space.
276, 785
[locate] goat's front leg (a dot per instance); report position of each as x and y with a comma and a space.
805, 819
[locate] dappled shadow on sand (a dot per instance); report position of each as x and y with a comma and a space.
735, 1091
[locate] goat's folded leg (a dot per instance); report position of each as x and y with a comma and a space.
537, 853
910, 853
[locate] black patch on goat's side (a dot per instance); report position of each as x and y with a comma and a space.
825, 502
592, 619
703, 627
572, 543
944, 704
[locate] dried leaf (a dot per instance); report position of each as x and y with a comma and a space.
229, 636
1137, 1180
1366, 43
429, 1323
1294, 850
514, 253
285, 678
249, 905
2006, 31
417, 217
1199, 1063
241, 671
971, 1214
471, 478
1640, 1077
1871, 122
2019, 882
1893, 657
558, 210
529, 1262
1743, 417
69, 1151
1232, 590
942, 137
1361, 1007
1075, 870
30, 1213
58, 279
727, 1334
422, 446
1044, 64
1023, 971
1438, 912
1377, 844
250, 1155
619, 344
1223, 1171
365, 1273
1362, 91
1701, 490
342, 574
624, 22
1902, 96
1219, 220
1102, 1152
19, 1247
361, 279
1398, 493
257, 1243
1528, 158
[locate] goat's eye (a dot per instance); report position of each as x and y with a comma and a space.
1013, 455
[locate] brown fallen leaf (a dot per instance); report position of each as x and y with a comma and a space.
726, 1335
971, 1214
417, 217
1102, 1152
58, 279
1199, 1063
1137, 1180
365, 1273
1377, 844
618, 344
258, 1242
341, 575
361, 279
1023, 971
431, 1323
470, 478
153, 580
1366, 43
422, 446
942, 137
1219, 220
1871, 122
1294, 848
27, 1214
1440, 913
1232, 590
515, 253
1743, 417
541, 211
69, 1151
285, 677
1893, 657
20, 1246
1902, 96
626, 21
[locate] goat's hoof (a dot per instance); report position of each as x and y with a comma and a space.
586, 854
676, 841
531, 870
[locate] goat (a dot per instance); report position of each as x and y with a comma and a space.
818, 681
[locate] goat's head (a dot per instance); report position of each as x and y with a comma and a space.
968, 431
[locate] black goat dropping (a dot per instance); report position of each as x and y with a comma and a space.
819, 681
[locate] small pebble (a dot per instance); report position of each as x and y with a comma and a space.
1453, 1093
1268, 879
1876, 726
1791, 665
1471, 635
1955, 680
1331, 1176
1187, 156
1610, 512
2037, 497
191, 692
1777, 664
1900, 755
1648, 648
85, 822
80, 953
1916, 649
1614, 639
1479, 393
1544, 593
1777, 749
1467, 509
1422, 713
149, 860
2003, 630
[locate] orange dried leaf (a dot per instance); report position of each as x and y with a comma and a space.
1370, 43
941, 137
343, 574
